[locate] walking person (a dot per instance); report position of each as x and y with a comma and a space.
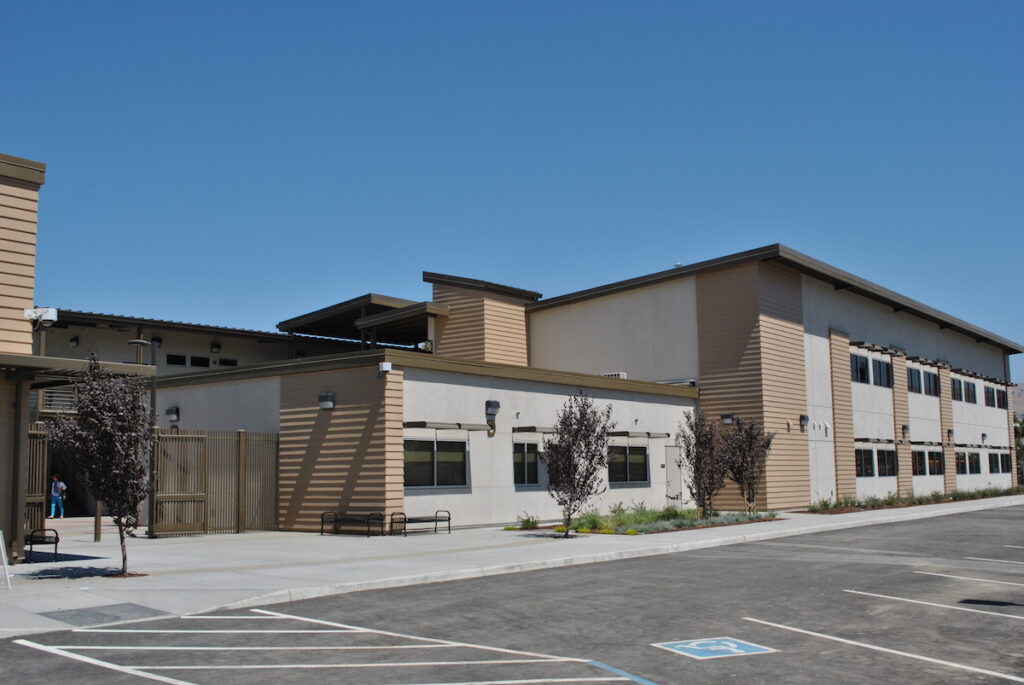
57, 490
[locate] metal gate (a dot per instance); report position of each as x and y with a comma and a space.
215, 482
38, 486
179, 481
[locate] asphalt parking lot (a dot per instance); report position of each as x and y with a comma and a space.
938, 600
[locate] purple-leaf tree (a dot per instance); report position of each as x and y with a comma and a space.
746, 446
577, 456
107, 442
702, 459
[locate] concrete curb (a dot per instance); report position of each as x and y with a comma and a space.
927, 511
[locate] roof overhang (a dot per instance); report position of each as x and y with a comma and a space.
339, 320
404, 326
22, 171
31, 365
486, 286
841, 280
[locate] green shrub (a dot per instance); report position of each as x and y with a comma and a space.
589, 519
631, 531
511, 528
527, 522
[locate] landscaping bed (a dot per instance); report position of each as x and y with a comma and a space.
639, 520
846, 505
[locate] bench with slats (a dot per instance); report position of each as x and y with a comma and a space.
335, 520
399, 521
42, 536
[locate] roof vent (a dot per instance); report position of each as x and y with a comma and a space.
615, 374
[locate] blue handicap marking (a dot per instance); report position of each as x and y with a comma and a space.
713, 647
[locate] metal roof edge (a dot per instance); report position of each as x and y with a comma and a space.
476, 284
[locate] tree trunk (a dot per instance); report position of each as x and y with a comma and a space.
124, 548
567, 520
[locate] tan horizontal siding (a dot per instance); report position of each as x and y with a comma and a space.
1014, 455
341, 460
842, 414
17, 266
460, 334
900, 418
945, 423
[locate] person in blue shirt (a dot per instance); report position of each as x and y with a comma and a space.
57, 489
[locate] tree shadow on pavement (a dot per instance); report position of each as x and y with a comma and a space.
75, 572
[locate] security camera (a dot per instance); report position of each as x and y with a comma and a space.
44, 316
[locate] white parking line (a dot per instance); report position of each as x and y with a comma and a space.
207, 617
980, 580
416, 637
530, 681
933, 604
384, 664
102, 664
998, 561
919, 657
165, 648
232, 632
1015, 546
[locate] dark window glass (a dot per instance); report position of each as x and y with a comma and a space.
914, 380
1006, 463
199, 361
970, 393
958, 390
973, 462
990, 396
638, 464
419, 462
887, 464
961, 463
176, 360
919, 463
451, 463
993, 463
882, 372
859, 369
524, 461
627, 465
936, 464
1001, 399
865, 463
931, 384
228, 362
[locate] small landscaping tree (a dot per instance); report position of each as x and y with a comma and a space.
106, 442
577, 456
746, 447
702, 458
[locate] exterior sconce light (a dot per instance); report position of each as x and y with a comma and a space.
906, 431
157, 341
173, 414
984, 438
326, 400
491, 408
727, 419
215, 348
383, 368
804, 421
949, 435
73, 341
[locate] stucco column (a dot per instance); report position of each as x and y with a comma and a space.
842, 414
900, 418
946, 424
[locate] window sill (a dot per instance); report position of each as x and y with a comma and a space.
529, 487
634, 484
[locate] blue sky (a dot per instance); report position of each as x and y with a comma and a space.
239, 163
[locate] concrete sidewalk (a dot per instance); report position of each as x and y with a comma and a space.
193, 574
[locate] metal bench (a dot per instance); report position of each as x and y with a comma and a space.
42, 536
399, 521
335, 520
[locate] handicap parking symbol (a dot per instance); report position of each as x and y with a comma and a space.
713, 647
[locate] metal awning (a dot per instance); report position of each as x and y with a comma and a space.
438, 425
27, 364
637, 434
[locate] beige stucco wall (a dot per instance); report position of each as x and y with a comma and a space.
649, 333
491, 496
251, 405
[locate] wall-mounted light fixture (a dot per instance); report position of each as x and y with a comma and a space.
906, 431
157, 341
984, 438
73, 341
491, 408
949, 435
383, 368
727, 419
173, 414
215, 348
804, 421
326, 400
